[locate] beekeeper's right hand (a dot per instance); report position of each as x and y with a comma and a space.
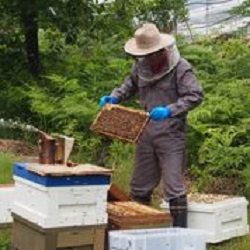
108, 99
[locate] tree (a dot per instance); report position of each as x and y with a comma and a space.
25, 16
29, 19
164, 13
98, 21
243, 9
31, 15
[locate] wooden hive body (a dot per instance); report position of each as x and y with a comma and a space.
130, 214
29, 236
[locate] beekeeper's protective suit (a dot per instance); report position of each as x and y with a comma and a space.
167, 93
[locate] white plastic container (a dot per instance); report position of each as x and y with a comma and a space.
159, 239
222, 220
6, 199
53, 207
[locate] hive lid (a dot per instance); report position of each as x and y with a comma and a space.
63, 170
119, 122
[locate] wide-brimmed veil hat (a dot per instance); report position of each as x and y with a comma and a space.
147, 40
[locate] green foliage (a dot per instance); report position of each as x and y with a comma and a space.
243, 9
240, 243
5, 239
6, 165
165, 14
219, 128
61, 102
121, 160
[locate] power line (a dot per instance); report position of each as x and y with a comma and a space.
208, 2
205, 18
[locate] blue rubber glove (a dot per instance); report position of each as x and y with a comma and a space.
160, 113
107, 99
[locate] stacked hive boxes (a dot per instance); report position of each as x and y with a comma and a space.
58, 197
126, 214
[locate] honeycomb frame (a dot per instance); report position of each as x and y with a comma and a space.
119, 122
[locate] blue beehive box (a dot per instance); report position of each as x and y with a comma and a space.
54, 196
21, 170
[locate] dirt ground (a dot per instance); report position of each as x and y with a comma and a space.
18, 148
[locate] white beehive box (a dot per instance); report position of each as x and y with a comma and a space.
221, 220
6, 199
51, 207
160, 239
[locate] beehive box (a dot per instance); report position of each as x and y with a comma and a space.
60, 201
221, 217
160, 239
118, 122
130, 214
6, 199
29, 236
51, 207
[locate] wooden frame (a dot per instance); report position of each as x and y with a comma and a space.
120, 133
129, 214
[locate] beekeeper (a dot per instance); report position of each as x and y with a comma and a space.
167, 89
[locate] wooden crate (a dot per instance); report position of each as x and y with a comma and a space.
130, 214
29, 236
119, 122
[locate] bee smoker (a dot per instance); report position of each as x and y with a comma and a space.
47, 148
54, 150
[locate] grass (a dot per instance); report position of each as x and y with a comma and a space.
6, 167
240, 243
6, 173
121, 160
5, 239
